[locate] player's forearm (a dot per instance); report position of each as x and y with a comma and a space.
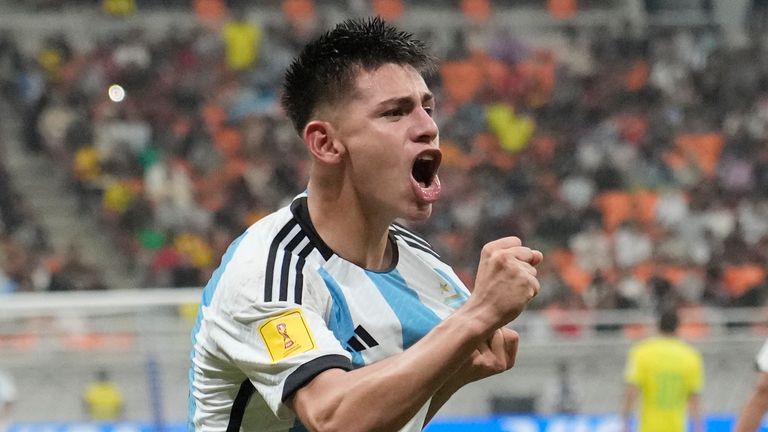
387, 394
694, 408
630, 394
755, 408
438, 400
750, 418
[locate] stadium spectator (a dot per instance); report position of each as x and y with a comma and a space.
754, 409
666, 375
357, 98
242, 40
102, 399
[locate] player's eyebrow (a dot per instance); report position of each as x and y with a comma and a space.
404, 100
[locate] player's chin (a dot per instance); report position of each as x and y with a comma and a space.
419, 212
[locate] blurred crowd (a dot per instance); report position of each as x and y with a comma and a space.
636, 161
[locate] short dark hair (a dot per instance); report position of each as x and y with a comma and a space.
325, 70
669, 321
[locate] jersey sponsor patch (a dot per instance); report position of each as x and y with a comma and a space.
286, 335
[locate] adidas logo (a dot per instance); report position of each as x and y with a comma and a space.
362, 340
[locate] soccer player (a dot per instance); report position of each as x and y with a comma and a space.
668, 375
327, 315
757, 405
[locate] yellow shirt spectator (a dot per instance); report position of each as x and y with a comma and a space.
241, 39
668, 373
119, 7
103, 399
196, 248
86, 164
118, 196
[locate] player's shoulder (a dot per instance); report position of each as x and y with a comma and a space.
691, 350
247, 255
651, 345
275, 256
258, 237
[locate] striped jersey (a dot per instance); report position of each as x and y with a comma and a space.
282, 307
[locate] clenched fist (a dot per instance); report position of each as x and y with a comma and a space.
506, 279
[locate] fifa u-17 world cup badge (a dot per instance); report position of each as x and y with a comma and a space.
286, 335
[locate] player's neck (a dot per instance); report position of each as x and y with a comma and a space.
343, 225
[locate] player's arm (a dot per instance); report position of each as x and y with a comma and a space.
492, 356
694, 411
756, 406
630, 397
387, 394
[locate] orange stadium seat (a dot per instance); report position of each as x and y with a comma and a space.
210, 13
738, 279
637, 331
644, 270
562, 9
299, 11
632, 127
576, 278
462, 80
228, 141
636, 77
390, 10
645, 206
564, 263
674, 274
476, 10
703, 148
214, 117
616, 206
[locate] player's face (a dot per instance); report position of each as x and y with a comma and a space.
392, 143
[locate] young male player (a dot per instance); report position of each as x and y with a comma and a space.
329, 316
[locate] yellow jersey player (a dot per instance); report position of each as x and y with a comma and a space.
667, 375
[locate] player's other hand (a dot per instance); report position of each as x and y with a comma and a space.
493, 356
506, 279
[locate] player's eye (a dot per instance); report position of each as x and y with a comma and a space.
397, 112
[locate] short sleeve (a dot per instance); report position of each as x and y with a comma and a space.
631, 369
279, 346
697, 374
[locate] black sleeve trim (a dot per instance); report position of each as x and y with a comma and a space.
306, 372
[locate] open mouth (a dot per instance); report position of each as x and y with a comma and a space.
425, 167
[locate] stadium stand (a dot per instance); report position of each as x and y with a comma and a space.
636, 160
582, 140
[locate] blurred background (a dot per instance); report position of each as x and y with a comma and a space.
626, 139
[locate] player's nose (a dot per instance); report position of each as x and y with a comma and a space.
424, 129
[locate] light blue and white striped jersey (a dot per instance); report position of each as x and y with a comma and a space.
283, 307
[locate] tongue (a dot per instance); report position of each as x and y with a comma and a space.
427, 194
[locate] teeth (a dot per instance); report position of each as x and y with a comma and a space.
427, 157
423, 184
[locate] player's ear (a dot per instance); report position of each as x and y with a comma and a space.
318, 135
